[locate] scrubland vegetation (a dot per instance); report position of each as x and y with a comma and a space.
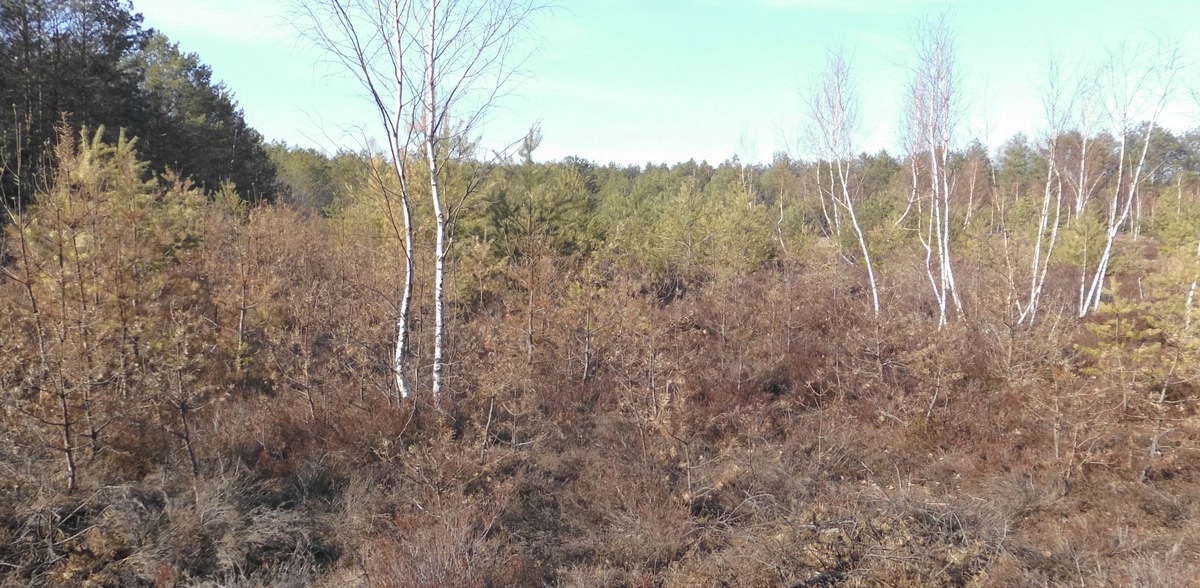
657, 376
653, 375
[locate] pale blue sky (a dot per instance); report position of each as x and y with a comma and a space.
636, 81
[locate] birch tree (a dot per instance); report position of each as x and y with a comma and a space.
433, 69
833, 108
932, 108
1135, 86
1083, 114
1050, 215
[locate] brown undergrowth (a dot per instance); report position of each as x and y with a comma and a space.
609, 428
716, 441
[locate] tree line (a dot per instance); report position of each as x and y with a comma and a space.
71, 64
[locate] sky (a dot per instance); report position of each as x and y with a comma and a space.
665, 81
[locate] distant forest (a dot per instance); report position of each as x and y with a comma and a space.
947, 366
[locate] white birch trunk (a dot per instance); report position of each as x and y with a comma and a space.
399, 358
1165, 67
927, 242
834, 111
1191, 297
1043, 246
858, 233
948, 269
829, 232
971, 193
1115, 220
399, 167
938, 244
466, 60
837, 217
913, 194
932, 94
434, 117
1084, 187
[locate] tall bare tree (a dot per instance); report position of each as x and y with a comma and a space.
433, 69
933, 91
1050, 216
1137, 85
833, 108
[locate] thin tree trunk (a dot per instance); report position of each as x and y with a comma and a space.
1041, 259
937, 234
971, 193
187, 438
67, 439
824, 209
912, 195
837, 218
433, 124
239, 353
1166, 67
1092, 300
779, 225
399, 167
1191, 297
858, 232
948, 268
400, 355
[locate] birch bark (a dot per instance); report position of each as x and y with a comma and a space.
1136, 89
432, 69
834, 111
933, 102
